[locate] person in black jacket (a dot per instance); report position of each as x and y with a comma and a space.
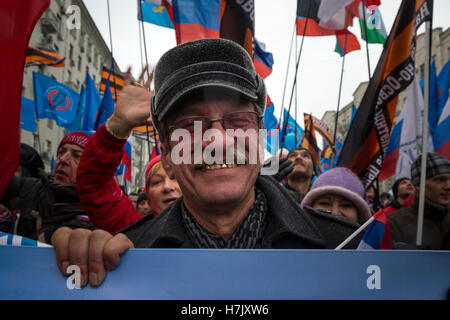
226, 202
38, 202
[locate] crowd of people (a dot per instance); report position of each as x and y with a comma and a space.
81, 210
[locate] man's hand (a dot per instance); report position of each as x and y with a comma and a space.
133, 106
95, 252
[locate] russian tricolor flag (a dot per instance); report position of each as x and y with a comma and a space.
391, 157
262, 59
125, 166
196, 19
441, 138
378, 234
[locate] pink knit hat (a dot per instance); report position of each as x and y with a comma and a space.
343, 182
76, 137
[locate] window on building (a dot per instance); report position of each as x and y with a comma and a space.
78, 84
47, 150
95, 57
70, 51
69, 76
50, 123
79, 63
35, 141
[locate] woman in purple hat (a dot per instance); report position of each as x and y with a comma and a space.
340, 192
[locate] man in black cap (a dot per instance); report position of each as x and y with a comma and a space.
299, 180
226, 202
402, 189
436, 223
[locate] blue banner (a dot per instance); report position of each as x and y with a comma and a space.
54, 100
156, 14
106, 107
28, 115
206, 274
78, 122
92, 102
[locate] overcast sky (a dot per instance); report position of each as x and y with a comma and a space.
320, 67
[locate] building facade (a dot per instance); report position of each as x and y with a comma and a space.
84, 50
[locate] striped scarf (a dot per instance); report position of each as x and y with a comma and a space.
248, 235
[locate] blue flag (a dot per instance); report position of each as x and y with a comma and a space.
292, 132
106, 107
93, 102
154, 13
28, 115
443, 80
54, 100
78, 122
271, 124
433, 107
52, 164
353, 116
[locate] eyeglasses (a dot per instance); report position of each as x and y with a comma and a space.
234, 120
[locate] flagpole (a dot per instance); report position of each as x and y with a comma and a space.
296, 96
363, 4
295, 78
354, 234
333, 155
112, 54
140, 41
38, 136
423, 164
146, 62
287, 71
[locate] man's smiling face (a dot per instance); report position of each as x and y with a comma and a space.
222, 182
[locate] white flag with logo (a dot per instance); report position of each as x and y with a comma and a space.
411, 135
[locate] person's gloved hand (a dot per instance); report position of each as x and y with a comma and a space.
284, 168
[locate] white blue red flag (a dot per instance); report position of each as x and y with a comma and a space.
378, 234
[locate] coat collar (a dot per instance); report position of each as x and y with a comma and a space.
431, 209
286, 220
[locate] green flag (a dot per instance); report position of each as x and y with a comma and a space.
370, 20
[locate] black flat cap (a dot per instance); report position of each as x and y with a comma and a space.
201, 64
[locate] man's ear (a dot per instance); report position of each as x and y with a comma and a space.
166, 161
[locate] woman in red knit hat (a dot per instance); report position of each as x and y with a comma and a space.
160, 189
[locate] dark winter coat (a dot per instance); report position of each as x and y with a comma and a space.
436, 225
289, 226
40, 206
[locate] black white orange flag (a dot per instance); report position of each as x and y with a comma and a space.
115, 82
36, 57
368, 137
309, 140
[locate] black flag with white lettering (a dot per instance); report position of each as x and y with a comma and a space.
368, 137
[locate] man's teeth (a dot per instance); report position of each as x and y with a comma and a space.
219, 166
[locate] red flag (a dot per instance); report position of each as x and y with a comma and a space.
17, 22
309, 25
